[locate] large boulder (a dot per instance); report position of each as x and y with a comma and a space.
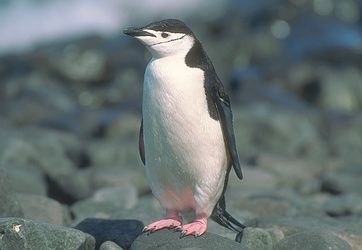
16, 233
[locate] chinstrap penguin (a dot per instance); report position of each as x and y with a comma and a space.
186, 138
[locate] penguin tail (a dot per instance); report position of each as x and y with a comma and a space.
223, 218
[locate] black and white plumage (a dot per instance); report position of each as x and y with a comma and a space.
187, 139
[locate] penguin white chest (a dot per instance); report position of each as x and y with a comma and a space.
184, 147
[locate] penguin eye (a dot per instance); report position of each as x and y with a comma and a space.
164, 35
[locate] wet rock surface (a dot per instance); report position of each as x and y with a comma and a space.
70, 172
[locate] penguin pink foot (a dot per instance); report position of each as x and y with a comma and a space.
196, 228
172, 220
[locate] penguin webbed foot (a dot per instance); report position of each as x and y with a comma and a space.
165, 223
184, 232
196, 228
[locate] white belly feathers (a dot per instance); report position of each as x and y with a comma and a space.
184, 149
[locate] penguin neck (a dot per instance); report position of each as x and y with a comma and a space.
159, 55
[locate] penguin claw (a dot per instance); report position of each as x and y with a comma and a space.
195, 228
165, 223
183, 233
178, 228
151, 230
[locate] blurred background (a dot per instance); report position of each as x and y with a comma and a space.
292, 68
71, 88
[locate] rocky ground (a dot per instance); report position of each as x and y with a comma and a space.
70, 173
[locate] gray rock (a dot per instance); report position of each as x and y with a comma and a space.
293, 224
120, 232
109, 245
275, 202
314, 204
291, 171
266, 206
275, 234
115, 153
349, 230
27, 180
124, 125
147, 210
79, 64
345, 204
345, 138
38, 148
74, 184
128, 85
285, 132
42, 209
106, 200
9, 205
16, 233
256, 238
37, 97
213, 227
253, 89
258, 179
169, 239
343, 180
311, 240
82, 183
337, 96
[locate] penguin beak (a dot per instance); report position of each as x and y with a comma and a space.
134, 32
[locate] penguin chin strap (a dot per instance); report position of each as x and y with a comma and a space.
166, 41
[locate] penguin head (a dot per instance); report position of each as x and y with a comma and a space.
164, 38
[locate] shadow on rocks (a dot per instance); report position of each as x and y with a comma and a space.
121, 232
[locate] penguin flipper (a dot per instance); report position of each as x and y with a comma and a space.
141, 144
226, 118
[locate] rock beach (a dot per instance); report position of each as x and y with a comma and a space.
70, 172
